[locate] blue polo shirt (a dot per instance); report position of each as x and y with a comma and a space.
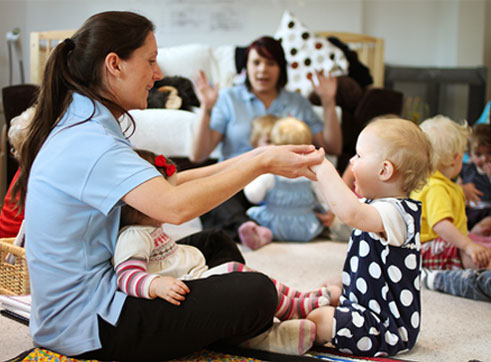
236, 107
72, 213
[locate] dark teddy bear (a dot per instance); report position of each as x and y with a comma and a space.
173, 93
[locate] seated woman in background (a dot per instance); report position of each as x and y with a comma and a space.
226, 119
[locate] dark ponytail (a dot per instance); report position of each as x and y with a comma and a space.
76, 65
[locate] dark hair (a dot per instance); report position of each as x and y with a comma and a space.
481, 135
75, 65
130, 215
270, 48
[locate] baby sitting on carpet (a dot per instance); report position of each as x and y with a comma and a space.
285, 205
150, 264
379, 309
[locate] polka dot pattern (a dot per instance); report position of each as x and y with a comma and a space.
309, 53
374, 270
364, 344
379, 312
411, 261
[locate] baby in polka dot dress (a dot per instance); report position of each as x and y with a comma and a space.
379, 309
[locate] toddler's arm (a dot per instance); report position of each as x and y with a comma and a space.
133, 279
343, 202
257, 189
480, 255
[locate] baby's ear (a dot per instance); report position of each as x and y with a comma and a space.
386, 170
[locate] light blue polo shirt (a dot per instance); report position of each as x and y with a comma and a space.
236, 107
72, 218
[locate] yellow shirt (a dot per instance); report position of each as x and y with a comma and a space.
441, 198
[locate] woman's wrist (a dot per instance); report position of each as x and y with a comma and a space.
328, 102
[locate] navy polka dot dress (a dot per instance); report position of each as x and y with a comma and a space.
379, 310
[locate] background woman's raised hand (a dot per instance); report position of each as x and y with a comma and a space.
206, 93
326, 86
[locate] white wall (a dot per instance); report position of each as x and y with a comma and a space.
439, 33
417, 32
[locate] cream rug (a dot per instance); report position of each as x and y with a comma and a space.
452, 329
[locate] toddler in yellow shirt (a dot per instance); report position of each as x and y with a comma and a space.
444, 234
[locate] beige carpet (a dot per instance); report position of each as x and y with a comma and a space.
453, 329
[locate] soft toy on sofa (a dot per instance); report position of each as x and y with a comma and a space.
173, 93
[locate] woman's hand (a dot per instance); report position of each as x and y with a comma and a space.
207, 94
292, 160
171, 289
326, 87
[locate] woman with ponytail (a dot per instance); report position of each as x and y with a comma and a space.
77, 170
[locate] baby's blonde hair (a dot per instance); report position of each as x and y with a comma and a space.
447, 138
18, 130
261, 125
408, 148
291, 131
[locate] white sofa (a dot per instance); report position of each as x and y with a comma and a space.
170, 132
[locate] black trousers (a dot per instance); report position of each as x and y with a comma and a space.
228, 216
221, 309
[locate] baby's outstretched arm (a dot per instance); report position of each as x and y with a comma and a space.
343, 202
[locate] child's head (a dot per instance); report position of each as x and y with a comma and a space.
448, 139
398, 148
131, 216
291, 131
480, 145
18, 130
261, 130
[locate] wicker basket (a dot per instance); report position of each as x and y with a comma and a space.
14, 278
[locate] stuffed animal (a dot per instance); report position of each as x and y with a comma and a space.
356, 70
173, 93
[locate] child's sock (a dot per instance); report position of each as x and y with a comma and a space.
295, 308
288, 337
293, 293
280, 287
428, 277
254, 236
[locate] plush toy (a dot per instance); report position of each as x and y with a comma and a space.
173, 93
356, 70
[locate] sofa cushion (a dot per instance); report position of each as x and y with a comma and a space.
165, 131
186, 60
306, 53
224, 59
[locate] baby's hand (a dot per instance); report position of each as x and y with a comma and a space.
472, 194
480, 254
171, 289
326, 218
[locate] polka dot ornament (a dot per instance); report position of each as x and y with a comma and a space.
305, 53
